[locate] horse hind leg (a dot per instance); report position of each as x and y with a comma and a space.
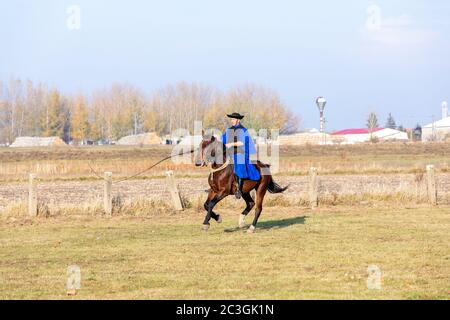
259, 201
250, 204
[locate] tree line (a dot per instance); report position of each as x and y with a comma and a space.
372, 122
28, 109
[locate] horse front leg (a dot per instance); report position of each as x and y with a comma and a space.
213, 215
209, 205
211, 196
216, 217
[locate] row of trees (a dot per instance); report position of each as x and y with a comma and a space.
372, 122
28, 109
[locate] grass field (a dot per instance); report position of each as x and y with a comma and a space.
296, 253
372, 212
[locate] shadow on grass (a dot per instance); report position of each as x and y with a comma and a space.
273, 224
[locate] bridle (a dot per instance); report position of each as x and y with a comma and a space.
211, 170
210, 163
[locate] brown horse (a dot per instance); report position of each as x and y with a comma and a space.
222, 182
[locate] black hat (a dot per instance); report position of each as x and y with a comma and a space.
235, 115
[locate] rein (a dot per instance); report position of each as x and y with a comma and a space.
211, 170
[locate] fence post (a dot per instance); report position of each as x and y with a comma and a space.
32, 196
431, 185
107, 196
313, 188
174, 193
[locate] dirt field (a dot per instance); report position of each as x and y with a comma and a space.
362, 187
348, 174
73, 163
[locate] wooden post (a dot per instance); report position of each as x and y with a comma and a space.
174, 193
313, 188
32, 196
107, 195
431, 185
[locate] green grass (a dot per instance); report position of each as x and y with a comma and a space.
296, 253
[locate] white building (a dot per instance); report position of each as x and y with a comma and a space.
438, 130
312, 137
352, 136
25, 142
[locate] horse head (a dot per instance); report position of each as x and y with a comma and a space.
210, 151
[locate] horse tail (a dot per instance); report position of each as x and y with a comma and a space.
274, 187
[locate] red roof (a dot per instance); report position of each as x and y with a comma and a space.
355, 131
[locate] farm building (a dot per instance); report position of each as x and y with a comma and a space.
303, 138
351, 136
437, 131
149, 138
37, 142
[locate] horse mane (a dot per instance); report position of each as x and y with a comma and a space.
216, 144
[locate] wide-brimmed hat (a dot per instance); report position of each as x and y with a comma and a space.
235, 115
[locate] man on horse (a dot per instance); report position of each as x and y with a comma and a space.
240, 146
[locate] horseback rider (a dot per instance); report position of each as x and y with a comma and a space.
240, 145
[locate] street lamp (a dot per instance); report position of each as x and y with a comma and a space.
321, 102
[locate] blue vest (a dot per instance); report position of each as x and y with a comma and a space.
243, 168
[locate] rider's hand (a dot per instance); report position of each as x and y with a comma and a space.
234, 144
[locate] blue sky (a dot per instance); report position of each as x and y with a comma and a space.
382, 56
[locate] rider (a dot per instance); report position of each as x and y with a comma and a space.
238, 138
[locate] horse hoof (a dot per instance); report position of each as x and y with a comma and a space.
205, 227
219, 219
251, 229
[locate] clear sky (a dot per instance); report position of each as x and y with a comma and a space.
383, 56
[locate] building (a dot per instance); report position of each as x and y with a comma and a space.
304, 138
352, 136
24, 142
149, 138
438, 130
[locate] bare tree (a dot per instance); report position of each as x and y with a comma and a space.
372, 123
28, 109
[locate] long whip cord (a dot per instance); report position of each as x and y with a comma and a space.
145, 170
